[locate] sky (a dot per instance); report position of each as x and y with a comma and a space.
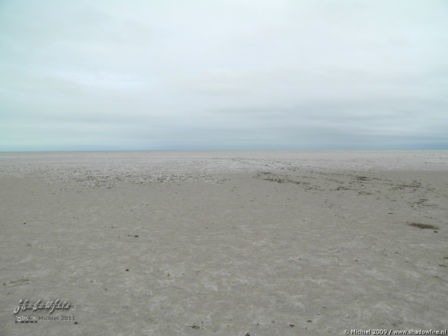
223, 74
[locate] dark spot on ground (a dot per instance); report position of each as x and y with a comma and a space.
423, 226
127, 269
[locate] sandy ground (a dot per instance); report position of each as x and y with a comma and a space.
224, 243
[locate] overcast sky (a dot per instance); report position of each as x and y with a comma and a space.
223, 74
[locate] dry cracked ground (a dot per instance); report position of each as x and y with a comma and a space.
224, 243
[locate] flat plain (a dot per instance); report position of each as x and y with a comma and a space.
224, 242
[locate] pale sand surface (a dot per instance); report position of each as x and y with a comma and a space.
225, 243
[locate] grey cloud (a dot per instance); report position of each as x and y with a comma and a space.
198, 74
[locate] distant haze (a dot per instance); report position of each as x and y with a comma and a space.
223, 74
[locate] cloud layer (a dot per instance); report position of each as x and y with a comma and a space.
223, 74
